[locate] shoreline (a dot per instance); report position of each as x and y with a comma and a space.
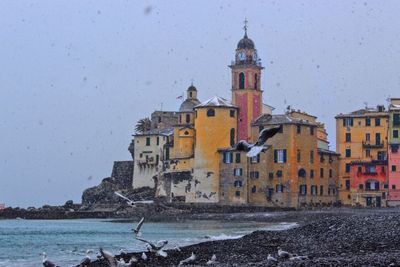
330, 238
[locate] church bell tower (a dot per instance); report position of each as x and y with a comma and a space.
246, 85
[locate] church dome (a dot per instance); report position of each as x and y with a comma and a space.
189, 104
192, 88
245, 43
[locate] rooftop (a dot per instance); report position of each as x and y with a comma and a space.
164, 132
280, 119
216, 101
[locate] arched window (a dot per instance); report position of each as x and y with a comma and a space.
187, 118
232, 134
302, 173
255, 81
210, 112
241, 80
190, 94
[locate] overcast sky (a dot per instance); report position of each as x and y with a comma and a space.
75, 76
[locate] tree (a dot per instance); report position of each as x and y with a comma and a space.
143, 125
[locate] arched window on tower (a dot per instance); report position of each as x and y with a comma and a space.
241, 80
190, 94
187, 118
232, 134
255, 81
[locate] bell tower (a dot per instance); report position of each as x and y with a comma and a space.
246, 85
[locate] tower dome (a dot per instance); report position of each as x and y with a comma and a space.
245, 43
191, 100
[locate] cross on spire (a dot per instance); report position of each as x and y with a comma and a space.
245, 27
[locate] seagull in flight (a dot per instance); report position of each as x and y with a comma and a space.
46, 262
255, 149
157, 248
137, 230
132, 203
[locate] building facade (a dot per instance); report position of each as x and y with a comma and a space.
362, 141
394, 154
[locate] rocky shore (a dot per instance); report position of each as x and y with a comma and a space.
327, 238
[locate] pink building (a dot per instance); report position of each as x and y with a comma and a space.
394, 175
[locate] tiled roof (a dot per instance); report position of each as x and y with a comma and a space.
165, 132
216, 101
363, 112
266, 119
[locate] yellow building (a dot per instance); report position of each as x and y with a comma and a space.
361, 138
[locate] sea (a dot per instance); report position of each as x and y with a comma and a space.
66, 241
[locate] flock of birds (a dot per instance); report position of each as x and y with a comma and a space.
158, 248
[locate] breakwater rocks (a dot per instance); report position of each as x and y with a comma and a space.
358, 238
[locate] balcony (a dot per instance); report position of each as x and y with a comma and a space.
368, 144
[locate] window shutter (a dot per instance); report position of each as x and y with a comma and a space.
241, 171
344, 121
284, 155
224, 157
275, 156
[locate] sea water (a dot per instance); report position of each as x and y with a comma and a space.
65, 241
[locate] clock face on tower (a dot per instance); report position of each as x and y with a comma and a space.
242, 56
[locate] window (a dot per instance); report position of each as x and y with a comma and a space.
321, 190
321, 172
147, 141
237, 193
180, 118
255, 81
372, 185
301, 173
367, 137
254, 189
314, 190
394, 148
381, 155
347, 122
279, 173
237, 172
232, 113
298, 155
330, 173
377, 122
190, 94
311, 173
370, 169
271, 175
303, 189
159, 119
279, 188
347, 167
383, 169
241, 80
311, 130
312, 156
187, 118
347, 184
348, 152
393, 168
348, 137
254, 174
227, 157
210, 112
158, 140
255, 159
280, 155
368, 153
367, 121
237, 158
238, 183
396, 119
232, 137
186, 133
298, 129
393, 186
378, 138
395, 133
359, 169
361, 186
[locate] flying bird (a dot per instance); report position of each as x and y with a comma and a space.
255, 149
132, 203
156, 248
137, 230
46, 262
190, 259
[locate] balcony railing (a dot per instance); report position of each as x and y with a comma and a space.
368, 144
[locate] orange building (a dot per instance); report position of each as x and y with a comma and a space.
361, 140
